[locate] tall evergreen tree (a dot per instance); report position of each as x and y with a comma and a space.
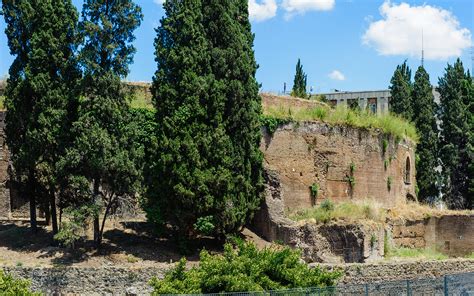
425, 122
101, 159
470, 108
400, 88
300, 81
206, 176
42, 37
455, 131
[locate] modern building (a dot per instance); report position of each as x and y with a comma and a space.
376, 101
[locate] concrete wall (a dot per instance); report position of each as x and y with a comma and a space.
317, 153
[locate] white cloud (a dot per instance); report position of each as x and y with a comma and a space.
261, 11
293, 7
400, 30
159, 2
336, 75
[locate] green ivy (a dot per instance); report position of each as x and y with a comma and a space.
272, 123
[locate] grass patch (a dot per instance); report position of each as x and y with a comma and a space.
2, 102
347, 211
471, 256
341, 115
408, 253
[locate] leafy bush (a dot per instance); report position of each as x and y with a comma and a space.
327, 205
10, 286
243, 268
204, 225
74, 228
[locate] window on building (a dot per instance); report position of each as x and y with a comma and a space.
353, 104
407, 171
372, 105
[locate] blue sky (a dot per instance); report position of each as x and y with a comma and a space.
343, 44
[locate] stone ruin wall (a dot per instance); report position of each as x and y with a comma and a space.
317, 153
452, 235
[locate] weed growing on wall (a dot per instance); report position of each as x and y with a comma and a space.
341, 115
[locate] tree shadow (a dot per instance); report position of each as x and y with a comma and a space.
134, 240
19, 237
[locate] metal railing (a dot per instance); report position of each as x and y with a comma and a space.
457, 284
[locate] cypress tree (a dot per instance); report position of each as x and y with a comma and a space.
455, 131
42, 37
470, 103
299, 83
100, 163
206, 177
400, 88
425, 122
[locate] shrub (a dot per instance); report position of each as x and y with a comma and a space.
389, 183
314, 190
204, 225
327, 205
74, 228
9, 286
243, 268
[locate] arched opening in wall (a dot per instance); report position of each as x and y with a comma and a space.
408, 171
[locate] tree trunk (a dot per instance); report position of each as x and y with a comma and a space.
31, 192
54, 218
97, 238
47, 214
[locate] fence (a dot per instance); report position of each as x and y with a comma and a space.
458, 285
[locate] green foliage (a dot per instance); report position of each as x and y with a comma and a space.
352, 168
104, 153
400, 88
341, 115
351, 178
385, 164
40, 92
410, 253
427, 148
328, 211
300, 81
389, 183
272, 123
74, 228
384, 146
244, 268
456, 152
206, 160
327, 205
373, 240
314, 188
10, 286
205, 225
